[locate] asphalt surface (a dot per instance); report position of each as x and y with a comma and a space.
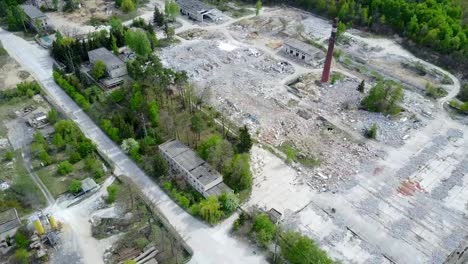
209, 244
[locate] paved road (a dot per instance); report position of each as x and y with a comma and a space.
210, 245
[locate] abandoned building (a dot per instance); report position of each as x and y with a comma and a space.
197, 172
195, 9
116, 69
36, 19
303, 51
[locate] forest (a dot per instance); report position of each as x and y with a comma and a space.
438, 25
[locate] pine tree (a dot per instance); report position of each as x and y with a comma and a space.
158, 17
361, 86
245, 141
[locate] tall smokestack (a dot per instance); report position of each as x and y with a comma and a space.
331, 46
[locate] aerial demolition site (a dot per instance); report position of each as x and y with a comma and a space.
401, 198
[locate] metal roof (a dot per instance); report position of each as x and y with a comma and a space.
218, 189
106, 56
9, 220
190, 161
302, 46
194, 5
32, 12
88, 184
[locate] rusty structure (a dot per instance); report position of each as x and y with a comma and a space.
329, 58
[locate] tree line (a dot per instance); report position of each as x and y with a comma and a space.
436, 24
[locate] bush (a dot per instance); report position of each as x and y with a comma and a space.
71, 91
384, 97
264, 228
52, 116
237, 174
195, 209
22, 256
111, 193
372, 132
435, 92
9, 155
64, 168
21, 240
298, 249
75, 186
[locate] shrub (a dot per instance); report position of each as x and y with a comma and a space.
9, 155
210, 210
71, 91
237, 174
298, 249
75, 186
99, 69
372, 132
264, 228
435, 92
22, 256
111, 193
229, 201
463, 94
384, 97
64, 168
195, 209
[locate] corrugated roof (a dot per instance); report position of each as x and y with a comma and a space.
106, 56
218, 189
194, 4
88, 184
190, 161
32, 11
302, 46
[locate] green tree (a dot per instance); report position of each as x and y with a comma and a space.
22, 256
99, 69
237, 173
229, 201
158, 17
264, 228
169, 31
52, 116
64, 168
128, 6
129, 145
384, 97
75, 186
153, 113
258, 7
245, 141
171, 9
160, 166
55, 4
210, 210
57, 141
298, 249
114, 47
138, 41
21, 240
45, 158
340, 31
197, 124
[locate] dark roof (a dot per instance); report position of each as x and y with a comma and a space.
32, 12
106, 56
194, 5
302, 46
9, 220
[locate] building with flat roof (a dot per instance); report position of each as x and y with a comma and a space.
115, 67
302, 51
197, 172
36, 19
195, 9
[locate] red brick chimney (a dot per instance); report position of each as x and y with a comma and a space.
331, 46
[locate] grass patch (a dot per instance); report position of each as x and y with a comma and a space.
294, 155
435, 92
